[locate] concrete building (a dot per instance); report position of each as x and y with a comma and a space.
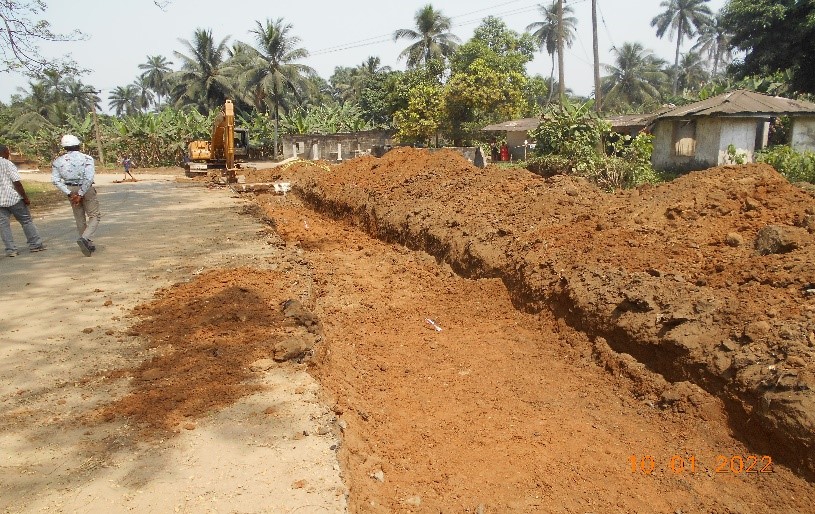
517, 134
334, 147
698, 135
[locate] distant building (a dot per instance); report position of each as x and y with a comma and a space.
335, 147
697, 136
517, 132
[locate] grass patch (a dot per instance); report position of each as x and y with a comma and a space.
43, 195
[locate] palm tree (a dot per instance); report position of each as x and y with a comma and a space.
598, 90
275, 68
691, 72
635, 78
546, 33
714, 40
683, 17
201, 81
81, 98
432, 35
144, 91
125, 100
156, 76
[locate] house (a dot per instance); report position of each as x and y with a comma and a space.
519, 140
698, 135
517, 135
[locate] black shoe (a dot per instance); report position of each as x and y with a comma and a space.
84, 246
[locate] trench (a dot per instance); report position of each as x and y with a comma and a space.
758, 430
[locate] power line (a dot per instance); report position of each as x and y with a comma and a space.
383, 38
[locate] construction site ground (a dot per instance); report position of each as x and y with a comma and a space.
457, 340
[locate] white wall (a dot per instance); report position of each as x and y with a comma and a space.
713, 135
739, 132
803, 134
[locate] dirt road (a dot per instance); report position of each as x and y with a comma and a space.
66, 356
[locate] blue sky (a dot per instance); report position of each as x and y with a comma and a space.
121, 34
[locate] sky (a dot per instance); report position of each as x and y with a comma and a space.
121, 34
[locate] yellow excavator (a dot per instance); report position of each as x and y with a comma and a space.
223, 153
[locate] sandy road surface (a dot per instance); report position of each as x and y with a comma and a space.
64, 319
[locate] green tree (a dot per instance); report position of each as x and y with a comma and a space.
156, 76
432, 35
634, 80
276, 69
201, 81
691, 72
777, 36
487, 79
81, 98
125, 100
683, 18
420, 121
714, 41
546, 33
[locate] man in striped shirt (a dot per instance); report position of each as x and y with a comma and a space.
14, 202
72, 173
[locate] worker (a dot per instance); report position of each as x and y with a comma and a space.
128, 164
73, 173
14, 202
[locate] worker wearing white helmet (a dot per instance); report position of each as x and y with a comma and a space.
72, 173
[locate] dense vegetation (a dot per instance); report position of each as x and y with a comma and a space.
449, 91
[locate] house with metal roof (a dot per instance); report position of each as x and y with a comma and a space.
698, 135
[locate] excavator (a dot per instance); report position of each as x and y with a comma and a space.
222, 154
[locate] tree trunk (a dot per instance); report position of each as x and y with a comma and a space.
276, 120
679, 30
551, 81
560, 72
598, 94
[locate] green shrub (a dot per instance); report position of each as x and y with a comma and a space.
573, 140
795, 166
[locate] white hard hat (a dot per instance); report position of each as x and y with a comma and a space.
69, 140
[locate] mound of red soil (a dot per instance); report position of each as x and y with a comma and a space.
709, 278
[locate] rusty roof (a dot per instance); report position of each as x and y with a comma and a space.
525, 124
741, 103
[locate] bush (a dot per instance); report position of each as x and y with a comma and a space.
571, 140
795, 166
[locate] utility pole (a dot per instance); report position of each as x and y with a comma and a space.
561, 77
598, 95
96, 128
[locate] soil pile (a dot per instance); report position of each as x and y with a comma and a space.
208, 339
707, 279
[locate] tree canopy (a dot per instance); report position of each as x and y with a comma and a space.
777, 36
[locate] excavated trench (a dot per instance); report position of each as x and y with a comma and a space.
648, 271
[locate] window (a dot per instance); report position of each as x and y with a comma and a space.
684, 138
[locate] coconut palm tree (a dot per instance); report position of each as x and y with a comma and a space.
683, 18
546, 33
201, 81
714, 40
125, 100
432, 36
81, 98
635, 78
275, 69
691, 72
145, 93
156, 76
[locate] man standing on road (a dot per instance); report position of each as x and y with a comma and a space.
73, 173
128, 165
14, 202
